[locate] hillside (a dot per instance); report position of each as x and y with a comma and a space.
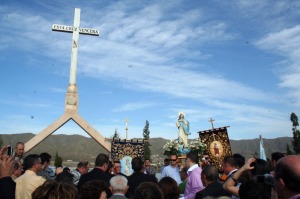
77, 147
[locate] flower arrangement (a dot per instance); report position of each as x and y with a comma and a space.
197, 146
171, 147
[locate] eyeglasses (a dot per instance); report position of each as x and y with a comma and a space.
173, 160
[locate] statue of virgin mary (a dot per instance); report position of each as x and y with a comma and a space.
183, 129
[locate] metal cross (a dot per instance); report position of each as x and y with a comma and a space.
212, 122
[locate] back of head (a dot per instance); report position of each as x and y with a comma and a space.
169, 188
148, 190
230, 160
193, 157
288, 169
92, 189
251, 190
53, 190
101, 160
240, 160
47, 190
137, 164
45, 157
261, 167
210, 172
118, 183
82, 164
67, 191
30, 160
65, 177
277, 156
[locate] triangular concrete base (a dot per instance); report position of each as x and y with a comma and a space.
70, 113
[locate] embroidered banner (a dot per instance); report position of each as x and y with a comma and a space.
218, 145
124, 151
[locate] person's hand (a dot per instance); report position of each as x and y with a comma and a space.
3, 150
248, 163
6, 165
58, 170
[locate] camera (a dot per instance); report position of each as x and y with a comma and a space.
264, 179
9, 150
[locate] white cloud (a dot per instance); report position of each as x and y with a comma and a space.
286, 43
134, 106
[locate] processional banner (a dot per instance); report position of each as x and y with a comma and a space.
124, 151
218, 145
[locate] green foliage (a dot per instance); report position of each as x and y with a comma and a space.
288, 150
146, 131
116, 135
296, 133
58, 160
147, 150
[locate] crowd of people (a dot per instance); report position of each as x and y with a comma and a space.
30, 177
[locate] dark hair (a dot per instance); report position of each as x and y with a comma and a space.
277, 155
173, 154
45, 157
210, 172
137, 164
92, 189
101, 160
117, 161
65, 177
240, 160
17, 164
251, 189
66, 169
148, 190
169, 188
19, 143
184, 169
193, 157
289, 176
82, 164
261, 167
30, 160
53, 190
231, 161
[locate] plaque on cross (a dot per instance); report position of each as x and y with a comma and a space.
76, 30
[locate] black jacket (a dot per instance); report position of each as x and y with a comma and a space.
213, 189
137, 178
95, 174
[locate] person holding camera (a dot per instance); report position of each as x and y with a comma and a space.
7, 185
259, 180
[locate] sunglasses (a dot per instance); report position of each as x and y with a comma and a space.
173, 160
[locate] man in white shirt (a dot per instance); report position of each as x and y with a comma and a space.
172, 170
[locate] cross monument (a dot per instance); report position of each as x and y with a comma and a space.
126, 127
212, 122
71, 101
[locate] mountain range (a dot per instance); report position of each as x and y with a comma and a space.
74, 148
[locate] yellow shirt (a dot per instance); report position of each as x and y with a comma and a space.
27, 183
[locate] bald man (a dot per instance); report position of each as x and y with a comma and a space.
287, 177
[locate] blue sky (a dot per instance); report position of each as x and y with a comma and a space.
235, 61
